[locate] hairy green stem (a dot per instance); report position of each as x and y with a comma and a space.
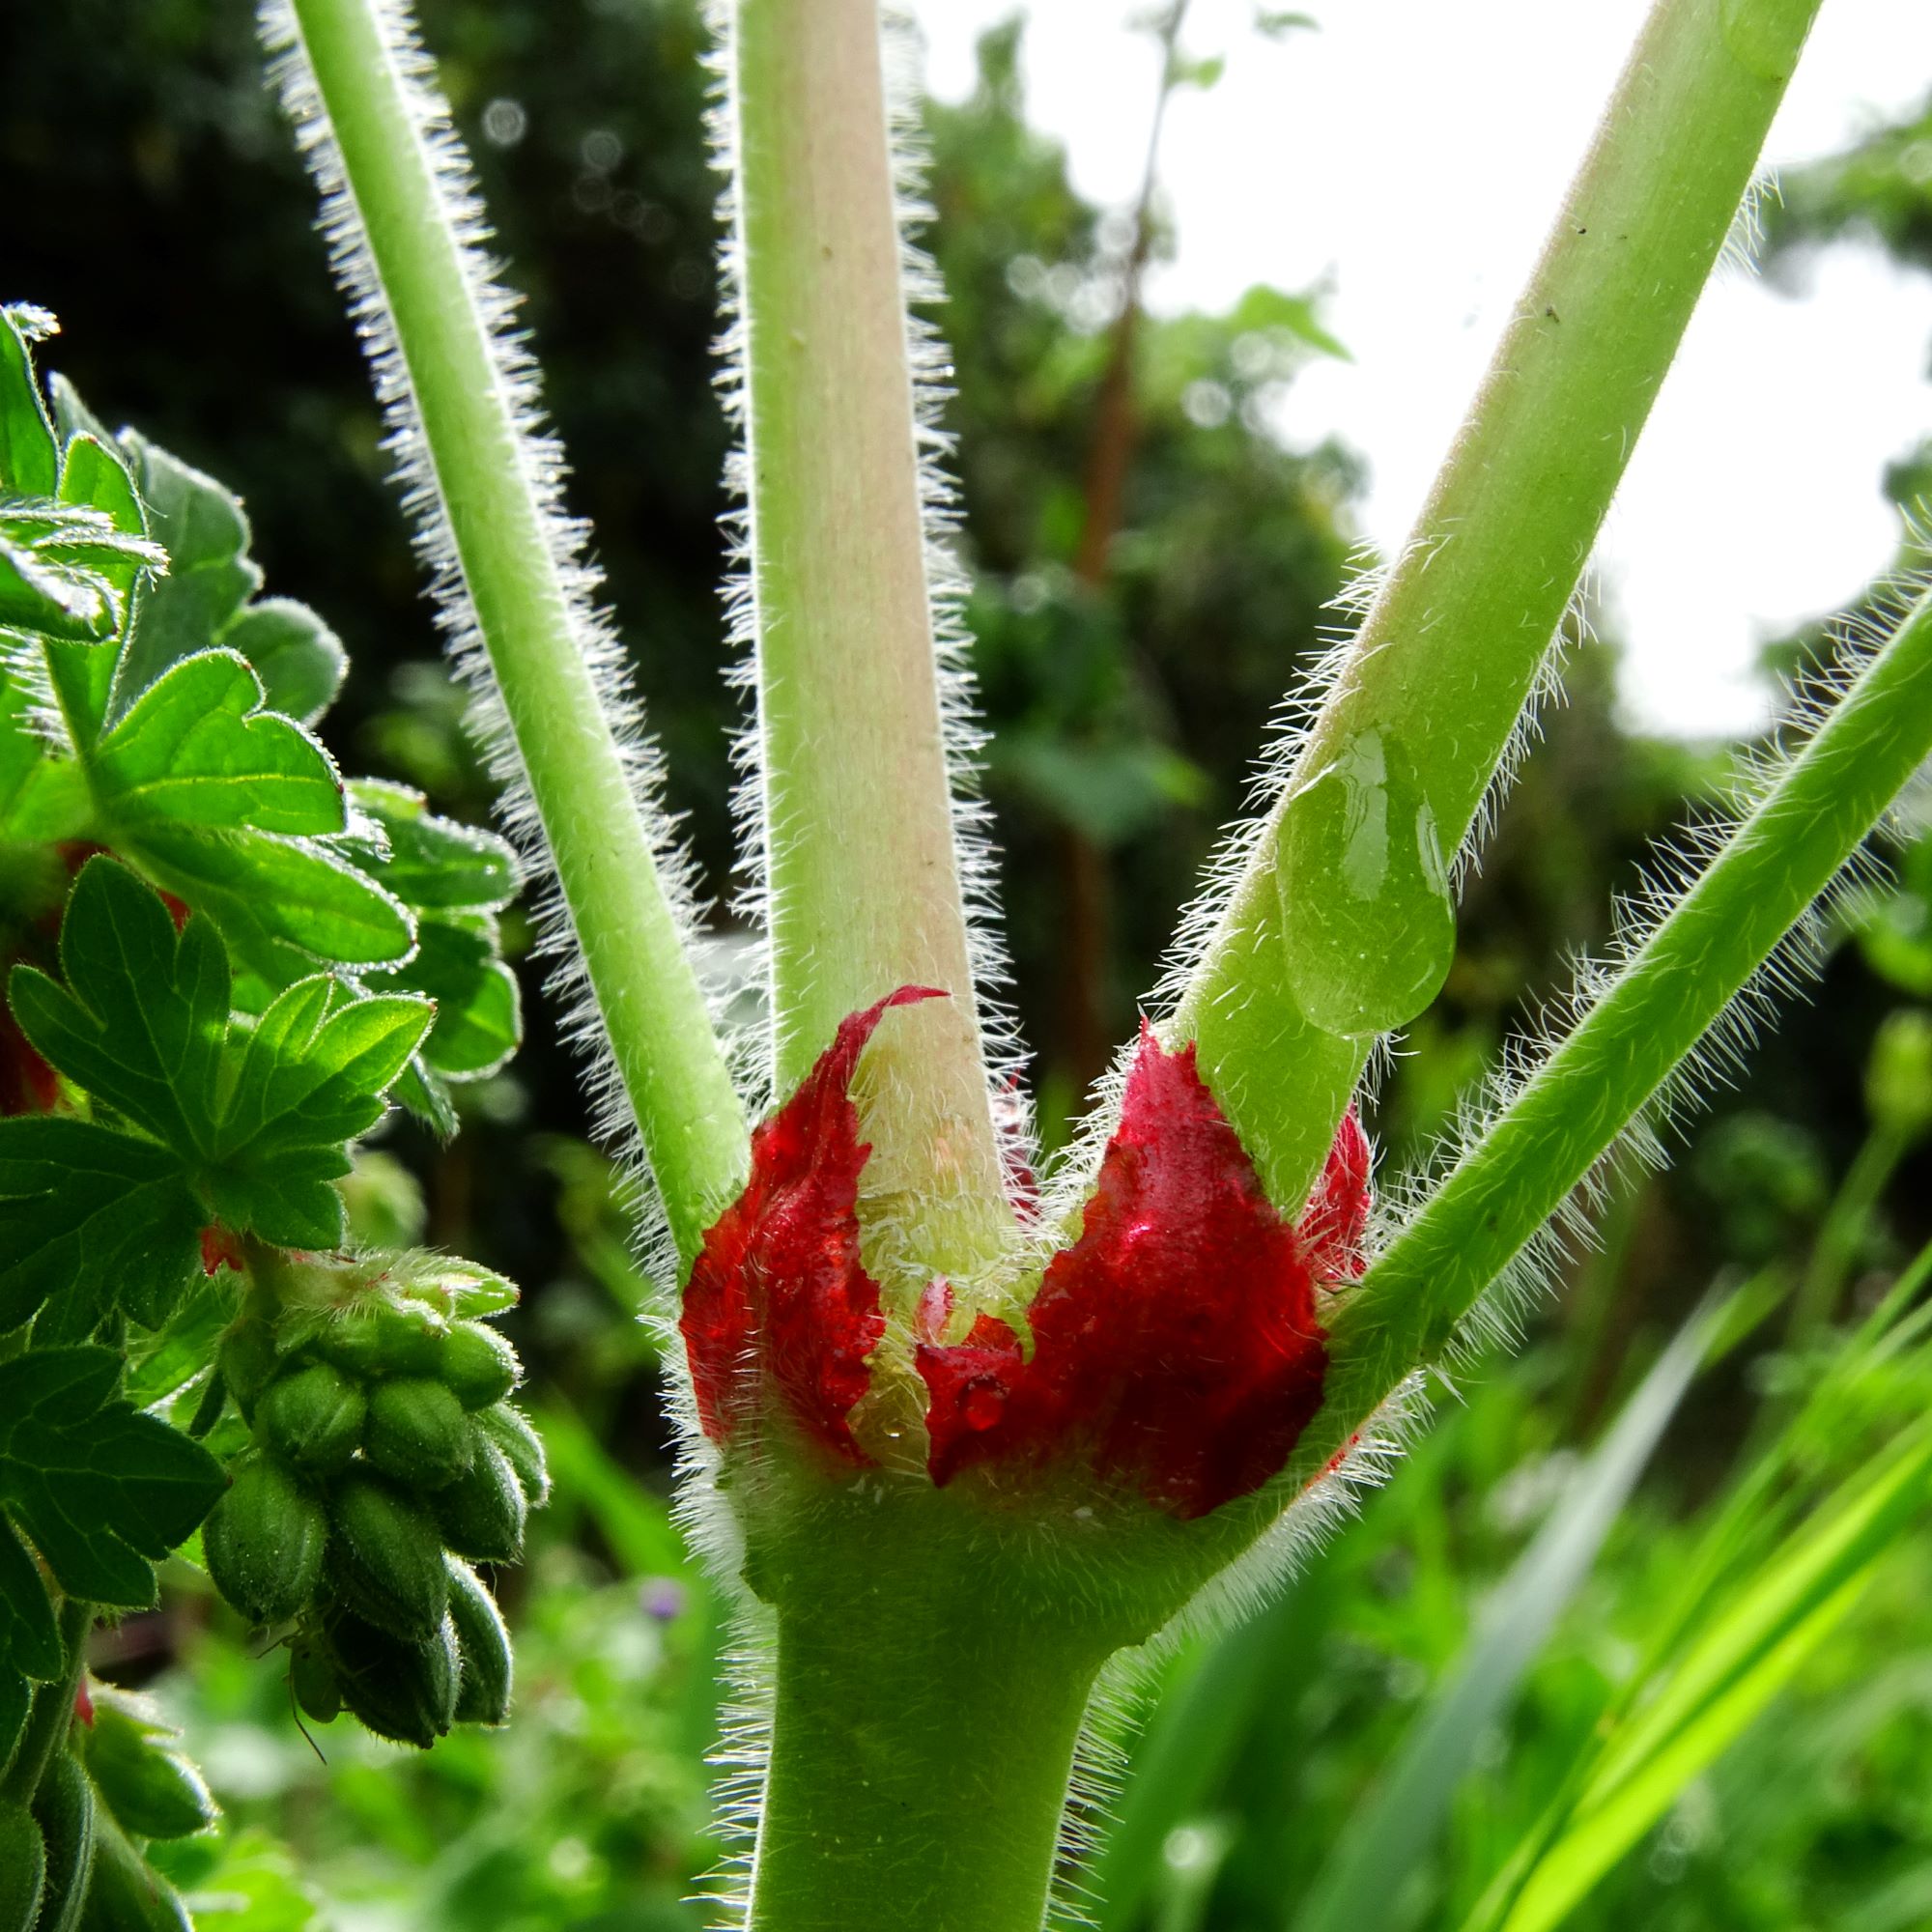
1340, 927
917, 1784
864, 887
1643, 1029
653, 1010
928, 1697
53, 1715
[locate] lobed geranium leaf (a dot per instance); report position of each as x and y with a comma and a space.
311, 1077
431, 863
299, 660
29, 465
29, 1637
197, 748
42, 798
253, 1120
210, 576
479, 1017
143, 1017
102, 1490
280, 905
86, 1210
453, 878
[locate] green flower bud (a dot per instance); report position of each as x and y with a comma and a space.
385, 1560
64, 1806
263, 1542
417, 1432
1899, 1077
313, 1416
483, 1645
511, 1431
126, 1892
481, 1514
401, 1689
384, 1338
23, 1868
247, 1361
478, 1366
151, 1788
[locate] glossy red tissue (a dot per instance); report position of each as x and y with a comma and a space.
778, 1296
1177, 1348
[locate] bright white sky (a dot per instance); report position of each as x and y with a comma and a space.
1410, 155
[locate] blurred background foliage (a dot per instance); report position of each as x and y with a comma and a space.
1488, 1658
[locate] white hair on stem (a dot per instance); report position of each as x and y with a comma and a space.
542, 469
928, 363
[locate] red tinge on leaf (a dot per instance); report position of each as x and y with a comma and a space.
1176, 1345
778, 1298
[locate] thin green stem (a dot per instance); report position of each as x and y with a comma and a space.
1643, 1029
864, 880
646, 989
53, 1715
1340, 927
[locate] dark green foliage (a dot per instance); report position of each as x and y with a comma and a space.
103, 1490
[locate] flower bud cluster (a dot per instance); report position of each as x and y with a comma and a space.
386, 1459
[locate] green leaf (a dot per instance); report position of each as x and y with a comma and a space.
1389, 1834
197, 748
84, 1209
275, 898
94, 477
28, 464
29, 1637
46, 594
1743, 1653
163, 1362
478, 1009
312, 1077
210, 576
141, 1021
256, 1120
299, 660
144, 1014
103, 1490
42, 798
432, 863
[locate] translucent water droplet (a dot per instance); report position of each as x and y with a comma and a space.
1365, 892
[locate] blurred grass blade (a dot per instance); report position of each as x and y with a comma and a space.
1386, 1841
1205, 1710
635, 1523
1753, 1642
